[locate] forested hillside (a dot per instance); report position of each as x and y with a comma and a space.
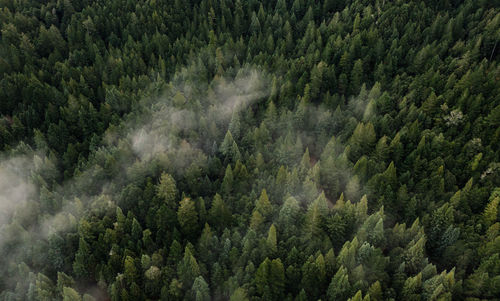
249, 150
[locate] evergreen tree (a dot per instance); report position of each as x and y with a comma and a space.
120, 120
219, 215
167, 191
188, 269
188, 217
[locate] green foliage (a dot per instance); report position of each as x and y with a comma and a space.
339, 288
200, 289
239, 295
70, 294
490, 214
271, 239
188, 217
289, 131
270, 279
188, 269
167, 190
219, 215
229, 148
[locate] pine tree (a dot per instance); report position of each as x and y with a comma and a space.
375, 291
305, 163
356, 76
83, 259
270, 279
229, 148
239, 294
188, 269
362, 140
219, 215
271, 239
281, 181
262, 205
254, 24
256, 220
412, 287
261, 278
288, 218
70, 294
188, 217
136, 230
130, 270
167, 191
227, 182
490, 214
200, 289
316, 213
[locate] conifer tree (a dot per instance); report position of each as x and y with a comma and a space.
188, 217
167, 191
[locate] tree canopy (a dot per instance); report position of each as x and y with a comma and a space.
249, 150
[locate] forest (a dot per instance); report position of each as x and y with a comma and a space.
249, 150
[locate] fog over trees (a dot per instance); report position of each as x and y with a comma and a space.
249, 150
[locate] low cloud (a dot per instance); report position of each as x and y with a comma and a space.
15, 187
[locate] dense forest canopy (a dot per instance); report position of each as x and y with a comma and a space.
249, 150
